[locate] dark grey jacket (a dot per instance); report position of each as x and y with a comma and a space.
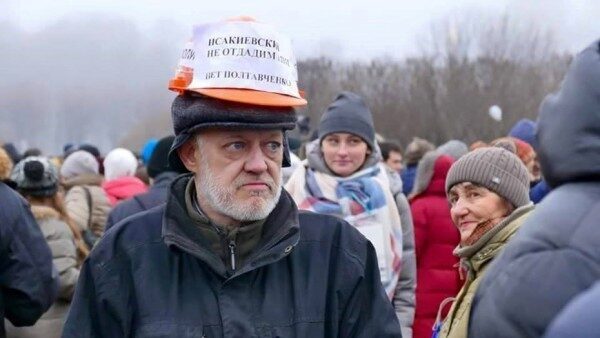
555, 256
28, 280
580, 318
152, 275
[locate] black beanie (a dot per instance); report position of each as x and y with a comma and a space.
348, 114
159, 160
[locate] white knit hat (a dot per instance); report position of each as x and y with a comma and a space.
119, 162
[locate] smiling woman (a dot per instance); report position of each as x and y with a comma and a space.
488, 193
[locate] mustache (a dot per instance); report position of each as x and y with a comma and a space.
243, 180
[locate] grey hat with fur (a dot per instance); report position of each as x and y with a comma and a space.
496, 169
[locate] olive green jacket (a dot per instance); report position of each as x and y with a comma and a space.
475, 259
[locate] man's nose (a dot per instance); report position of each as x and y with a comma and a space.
256, 161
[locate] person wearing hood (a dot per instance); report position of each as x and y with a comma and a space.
85, 201
435, 239
344, 176
120, 182
413, 153
161, 173
453, 148
555, 256
488, 193
37, 181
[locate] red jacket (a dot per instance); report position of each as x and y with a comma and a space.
123, 188
435, 239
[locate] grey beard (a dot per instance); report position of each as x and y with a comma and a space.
222, 198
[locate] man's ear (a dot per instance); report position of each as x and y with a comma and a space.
188, 155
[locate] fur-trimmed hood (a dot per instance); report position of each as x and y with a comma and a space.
85, 179
431, 173
44, 213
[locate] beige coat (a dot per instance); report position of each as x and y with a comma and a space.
76, 202
60, 239
476, 259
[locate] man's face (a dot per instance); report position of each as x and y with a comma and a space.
394, 161
238, 174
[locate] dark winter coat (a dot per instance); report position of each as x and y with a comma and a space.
59, 237
580, 318
435, 239
408, 178
555, 256
28, 280
153, 276
146, 201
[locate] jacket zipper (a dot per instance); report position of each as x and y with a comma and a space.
232, 253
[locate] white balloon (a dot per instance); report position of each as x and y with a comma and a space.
495, 112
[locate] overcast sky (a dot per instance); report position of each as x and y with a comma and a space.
349, 29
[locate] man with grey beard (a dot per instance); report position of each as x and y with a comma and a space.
229, 255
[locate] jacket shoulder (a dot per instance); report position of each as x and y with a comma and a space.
144, 228
334, 232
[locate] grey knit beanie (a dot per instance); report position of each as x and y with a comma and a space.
496, 169
348, 114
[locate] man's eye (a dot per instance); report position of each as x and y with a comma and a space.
273, 146
235, 146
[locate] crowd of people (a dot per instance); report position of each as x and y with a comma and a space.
221, 231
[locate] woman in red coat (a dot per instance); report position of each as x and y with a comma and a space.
435, 238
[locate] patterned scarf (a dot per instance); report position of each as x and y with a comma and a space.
363, 200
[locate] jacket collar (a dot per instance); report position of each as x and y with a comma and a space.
281, 232
163, 179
